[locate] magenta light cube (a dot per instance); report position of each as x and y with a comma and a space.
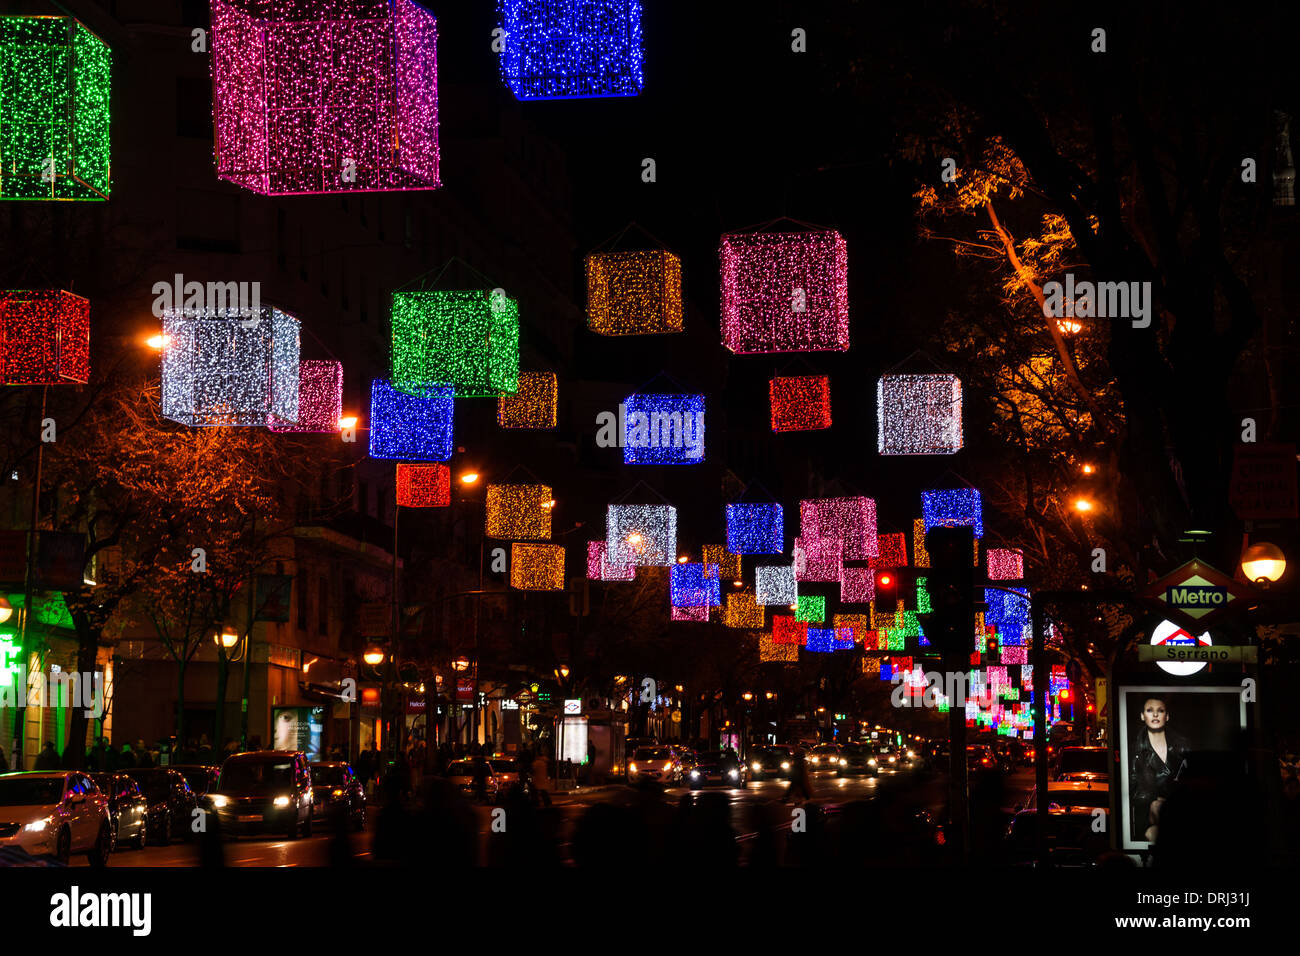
325, 96
849, 520
320, 399
785, 292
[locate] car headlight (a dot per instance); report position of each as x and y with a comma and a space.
631, 768
871, 762
785, 765
843, 762
756, 765
37, 827
816, 759
281, 801
911, 754
219, 801
695, 775
336, 793
734, 774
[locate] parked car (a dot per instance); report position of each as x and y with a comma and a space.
171, 802
264, 791
767, 763
200, 777
128, 810
724, 769
55, 813
1073, 795
1072, 840
336, 789
981, 758
655, 763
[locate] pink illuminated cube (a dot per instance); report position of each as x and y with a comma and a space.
312, 97
320, 399
785, 292
848, 520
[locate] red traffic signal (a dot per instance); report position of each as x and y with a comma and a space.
1065, 695
886, 583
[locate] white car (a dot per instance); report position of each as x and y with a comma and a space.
57, 814
661, 764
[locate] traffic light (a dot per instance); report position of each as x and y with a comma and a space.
886, 599
950, 583
1065, 695
991, 648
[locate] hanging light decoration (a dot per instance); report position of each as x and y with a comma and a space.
598, 569
891, 551
859, 625
663, 430
857, 586
810, 608
408, 428
918, 415
699, 615
1005, 608
800, 403
571, 49
54, 110
469, 340
785, 292
325, 98
634, 293
44, 334
728, 564
519, 511
788, 630
920, 556
743, 611
870, 665
842, 638
320, 398
537, 567
641, 535
689, 586
821, 640
533, 405
851, 521
770, 650
775, 585
231, 367
755, 528
423, 485
824, 564
1005, 564
953, 508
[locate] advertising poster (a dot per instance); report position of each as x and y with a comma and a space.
1161, 730
299, 728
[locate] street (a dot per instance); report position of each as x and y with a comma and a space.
913, 790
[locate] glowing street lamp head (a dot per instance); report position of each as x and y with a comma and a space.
1083, 505
348, 421
1263, 562
228, 638
159, 341
6, 609
469, 477
374, 655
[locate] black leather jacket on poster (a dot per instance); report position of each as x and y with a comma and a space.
1151, 778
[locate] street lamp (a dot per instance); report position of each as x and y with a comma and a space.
1083, 505
228, 637
469, 477
6, 609
374, 655
563, 671
1263, 563
460, 664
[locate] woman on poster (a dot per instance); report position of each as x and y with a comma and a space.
1158, 758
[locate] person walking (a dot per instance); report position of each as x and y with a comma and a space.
48, 758
800, 788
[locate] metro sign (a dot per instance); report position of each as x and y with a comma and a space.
1196, 594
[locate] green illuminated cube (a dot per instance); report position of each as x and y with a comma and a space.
811, 608
54, 95
469, 340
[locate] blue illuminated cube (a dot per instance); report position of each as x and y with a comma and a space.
571, 49
755, 529
953, 508
663, 430
692, 586
410, 428
821, 639
1007, 610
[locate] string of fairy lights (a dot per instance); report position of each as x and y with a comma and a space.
347, 101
